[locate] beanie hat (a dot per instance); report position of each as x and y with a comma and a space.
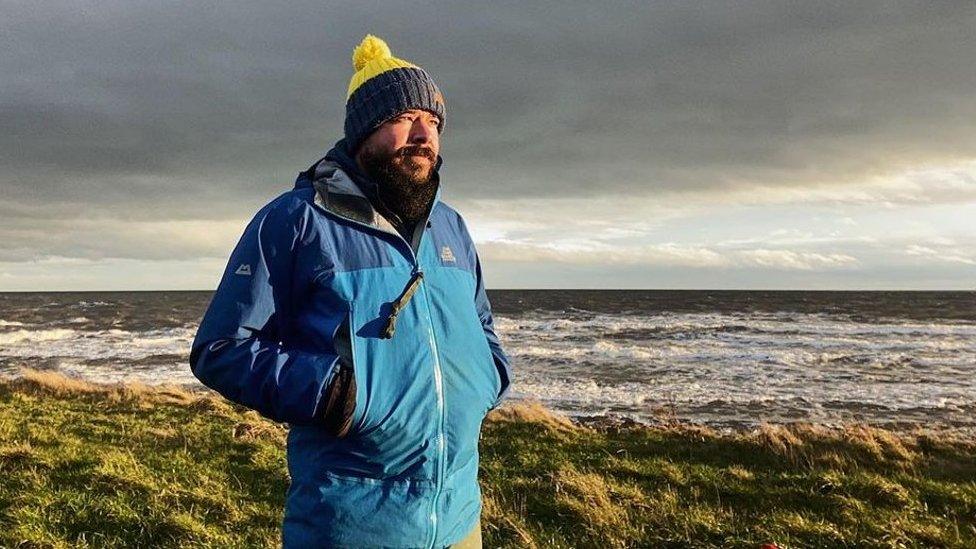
383, 87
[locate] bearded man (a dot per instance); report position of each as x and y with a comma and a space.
354, 309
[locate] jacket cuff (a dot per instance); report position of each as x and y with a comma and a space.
338, 403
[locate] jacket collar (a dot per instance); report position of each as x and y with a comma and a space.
336, 192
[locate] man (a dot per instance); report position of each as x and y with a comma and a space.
354, 309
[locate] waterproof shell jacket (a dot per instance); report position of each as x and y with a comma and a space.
320, 281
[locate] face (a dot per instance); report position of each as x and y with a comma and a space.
406, 145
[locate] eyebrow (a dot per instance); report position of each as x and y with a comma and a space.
419, 113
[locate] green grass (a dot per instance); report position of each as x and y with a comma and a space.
130, 466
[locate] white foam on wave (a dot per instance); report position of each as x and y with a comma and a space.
766, 323
10, 323
747, 402
586, 393
174, 372
665, 335
599, 349
95, 345
34, 336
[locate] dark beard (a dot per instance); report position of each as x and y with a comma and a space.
402, 184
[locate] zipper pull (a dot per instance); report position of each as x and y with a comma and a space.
400, 303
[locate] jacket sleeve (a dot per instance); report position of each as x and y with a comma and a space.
502, 362
238, 349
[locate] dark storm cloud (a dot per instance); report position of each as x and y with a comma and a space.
205, 110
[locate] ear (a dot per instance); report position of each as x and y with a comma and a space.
358, 157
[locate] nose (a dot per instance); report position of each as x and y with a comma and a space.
421, 132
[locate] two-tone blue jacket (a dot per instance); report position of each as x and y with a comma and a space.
319, 265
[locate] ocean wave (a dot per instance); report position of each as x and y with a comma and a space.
672, 325
724, 400
34, 336
95, 344
86, 304
599, 349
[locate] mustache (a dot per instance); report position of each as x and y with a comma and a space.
417, 150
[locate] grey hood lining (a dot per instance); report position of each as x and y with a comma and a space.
336, 192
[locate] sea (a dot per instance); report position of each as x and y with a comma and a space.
731, 360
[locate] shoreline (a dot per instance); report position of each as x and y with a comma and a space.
610, 421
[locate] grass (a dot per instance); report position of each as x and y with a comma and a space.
131, 466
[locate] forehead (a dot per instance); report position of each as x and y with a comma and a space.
419, 112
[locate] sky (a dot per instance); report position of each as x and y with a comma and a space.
728, 145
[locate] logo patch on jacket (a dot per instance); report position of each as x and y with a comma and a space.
447, 254
244, 269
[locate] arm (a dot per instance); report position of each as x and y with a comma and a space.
502, 362
238, 349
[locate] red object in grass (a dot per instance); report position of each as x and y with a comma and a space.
769, 546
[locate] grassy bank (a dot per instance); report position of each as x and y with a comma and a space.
82, 465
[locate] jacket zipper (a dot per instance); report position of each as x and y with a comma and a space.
441, 443
411, 288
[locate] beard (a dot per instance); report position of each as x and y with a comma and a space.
406, 183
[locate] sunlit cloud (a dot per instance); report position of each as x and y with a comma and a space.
948, 254
667, 254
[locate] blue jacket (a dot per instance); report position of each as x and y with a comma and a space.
318, 265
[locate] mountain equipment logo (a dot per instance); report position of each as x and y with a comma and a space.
244, 269
447, 254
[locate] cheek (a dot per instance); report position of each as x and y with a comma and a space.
390, 138
393, 141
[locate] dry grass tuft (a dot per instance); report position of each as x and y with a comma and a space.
883, 445
781, 439
497, 516
844, 447
162, 432
46, 383
173, 394
211, 403
691, 431
589, 496
39, 382
534, 412
258, 428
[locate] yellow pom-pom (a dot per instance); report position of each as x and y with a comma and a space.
371, 48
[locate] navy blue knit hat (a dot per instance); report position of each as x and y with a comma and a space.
383, 87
